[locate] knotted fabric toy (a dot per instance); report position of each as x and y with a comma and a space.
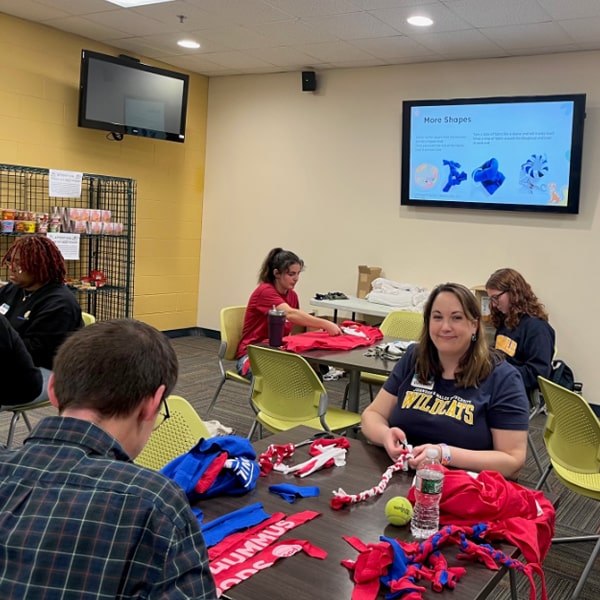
325, 452
401, 566
341, 498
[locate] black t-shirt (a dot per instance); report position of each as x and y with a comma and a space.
43, 319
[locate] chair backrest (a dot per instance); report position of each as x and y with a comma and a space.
572, 434
175, 436
403, 324
88, 319
232, 323
285, 386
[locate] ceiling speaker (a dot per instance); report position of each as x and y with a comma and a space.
309, 81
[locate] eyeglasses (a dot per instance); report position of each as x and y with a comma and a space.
163, 415
494, 299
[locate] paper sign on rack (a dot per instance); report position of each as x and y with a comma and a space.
64, 184
68, 244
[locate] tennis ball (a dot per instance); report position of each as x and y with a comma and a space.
398, 510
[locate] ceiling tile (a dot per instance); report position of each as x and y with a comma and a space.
332, 51
26, 8
234, 37
78, 7
129, 21
236, 60
86, 28
492, 13
243, 11
314, 8
458, 42
399, 46
527, 36
583, 30
350, 26
571, 9
283, 56
443, 18
292, 33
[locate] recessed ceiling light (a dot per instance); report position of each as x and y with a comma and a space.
188, 44
134, 3
420, 21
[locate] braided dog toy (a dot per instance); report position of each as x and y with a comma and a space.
341, 498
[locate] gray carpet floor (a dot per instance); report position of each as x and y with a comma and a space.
576, 515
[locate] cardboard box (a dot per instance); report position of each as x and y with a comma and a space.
366, 275
484, 302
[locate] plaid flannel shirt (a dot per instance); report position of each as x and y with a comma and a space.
79, 520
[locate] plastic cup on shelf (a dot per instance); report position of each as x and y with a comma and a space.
8, 225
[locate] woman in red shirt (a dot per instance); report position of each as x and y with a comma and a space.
277, 279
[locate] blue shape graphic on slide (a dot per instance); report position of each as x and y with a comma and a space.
514, 151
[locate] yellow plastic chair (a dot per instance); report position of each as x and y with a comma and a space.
572, 438
286, 392
536, 407
403, 324
232, 322
175, 436
88, 319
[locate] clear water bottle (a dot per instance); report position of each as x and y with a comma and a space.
428, 492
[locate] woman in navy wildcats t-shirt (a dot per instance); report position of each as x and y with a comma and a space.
453, 392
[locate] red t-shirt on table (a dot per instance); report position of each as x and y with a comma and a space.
256, 326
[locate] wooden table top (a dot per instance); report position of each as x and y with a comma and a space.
303, 578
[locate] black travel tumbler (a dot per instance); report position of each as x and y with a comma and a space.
276, 327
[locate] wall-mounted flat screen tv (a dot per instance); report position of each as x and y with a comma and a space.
124, 96
506, 153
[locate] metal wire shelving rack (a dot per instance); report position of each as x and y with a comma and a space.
27, 189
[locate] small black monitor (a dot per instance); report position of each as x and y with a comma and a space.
124, 96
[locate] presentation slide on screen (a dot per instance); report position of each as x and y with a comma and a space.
513, 153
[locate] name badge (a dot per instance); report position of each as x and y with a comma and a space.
508, 346
4, 308
419, 384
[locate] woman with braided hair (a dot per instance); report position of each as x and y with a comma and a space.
36, 302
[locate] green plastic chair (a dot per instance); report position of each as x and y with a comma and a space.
88, 319
286, 392
175, 436
232, 323
572, 438
403, 324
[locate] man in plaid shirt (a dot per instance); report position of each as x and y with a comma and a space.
78, 519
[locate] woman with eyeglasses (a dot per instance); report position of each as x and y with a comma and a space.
277, 278
523, 333
451, 391
36, 302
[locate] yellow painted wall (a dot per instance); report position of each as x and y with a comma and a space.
39, 82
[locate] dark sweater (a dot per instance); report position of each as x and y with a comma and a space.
21, 379
535, 341
43, 318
